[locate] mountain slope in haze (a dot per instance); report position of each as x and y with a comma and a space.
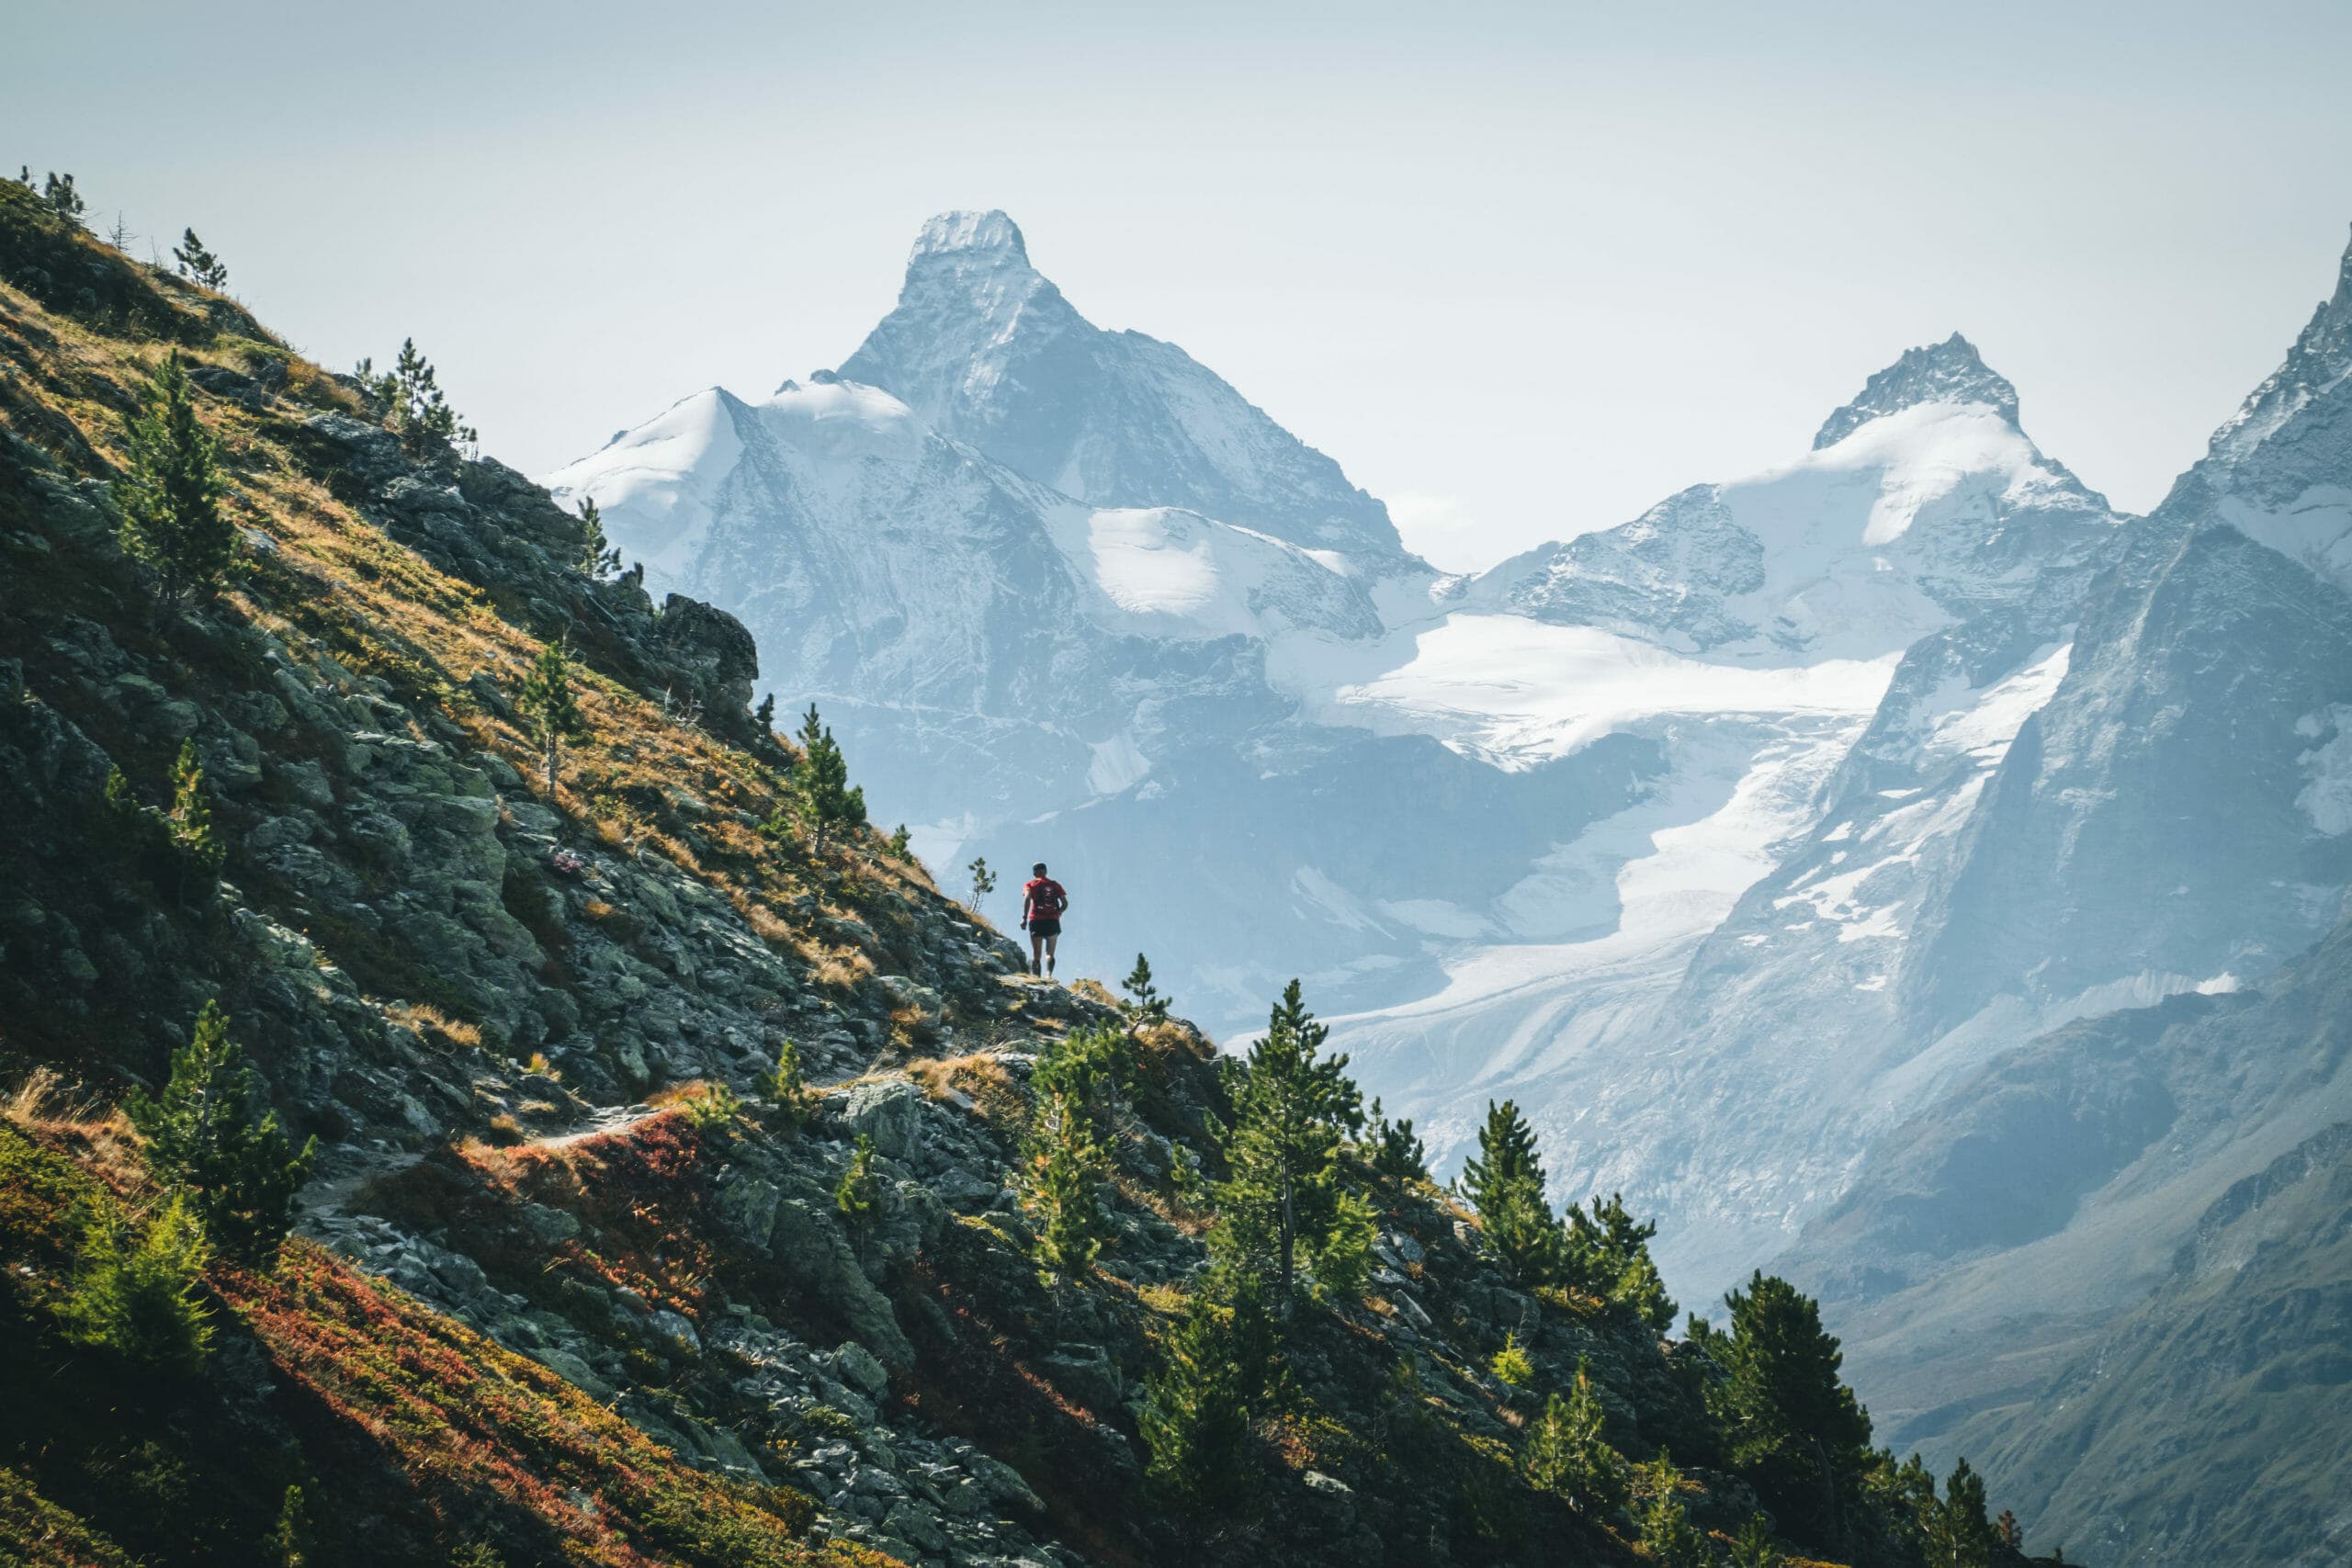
2175, 808
2141, 1215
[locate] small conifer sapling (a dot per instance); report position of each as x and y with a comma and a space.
549, 710
198, 265
599, 557
1194, 1419
858, 1195
171, 493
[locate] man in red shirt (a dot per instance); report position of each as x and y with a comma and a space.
1042, 903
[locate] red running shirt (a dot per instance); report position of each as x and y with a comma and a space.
1043, 899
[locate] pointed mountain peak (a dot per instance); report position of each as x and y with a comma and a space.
2322, 356
971, 236
1946, 372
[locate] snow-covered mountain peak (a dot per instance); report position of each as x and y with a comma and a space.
989, 236
1947, 372
1922, 503
986, 350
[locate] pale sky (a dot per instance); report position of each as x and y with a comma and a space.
1523, 270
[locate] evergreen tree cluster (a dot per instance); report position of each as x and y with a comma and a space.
1599, 1250
238, 1170
829, 802
417, 410
57, 192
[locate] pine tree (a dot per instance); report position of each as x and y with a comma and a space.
827, 799
62, 199
1143, 1005
598, 556
764, 717
1958, 1535
199, 843
789, 1087
901, 843
1755, 1547
549, 709
1667, 1534
1794, 1428
142, 834
138, 1293
1565, 1454
203, 1138
858, 1195
171, 493
983, 880
1193, 1418
420, 412
2009, 1532
1065, 1172
1607, 1252
1506, 1186
1395, 1154
1511, 1365
199, 264
1292, 1109
290, 1541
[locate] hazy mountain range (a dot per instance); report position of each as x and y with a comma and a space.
1898, 857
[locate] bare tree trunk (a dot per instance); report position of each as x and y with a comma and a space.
554, 748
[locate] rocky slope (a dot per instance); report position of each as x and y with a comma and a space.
570, 1283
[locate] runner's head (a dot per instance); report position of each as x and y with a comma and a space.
1037, 870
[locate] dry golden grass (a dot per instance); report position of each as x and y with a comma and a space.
843, 969
39, 1094
994, 1095
438, 1027
48, 1108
